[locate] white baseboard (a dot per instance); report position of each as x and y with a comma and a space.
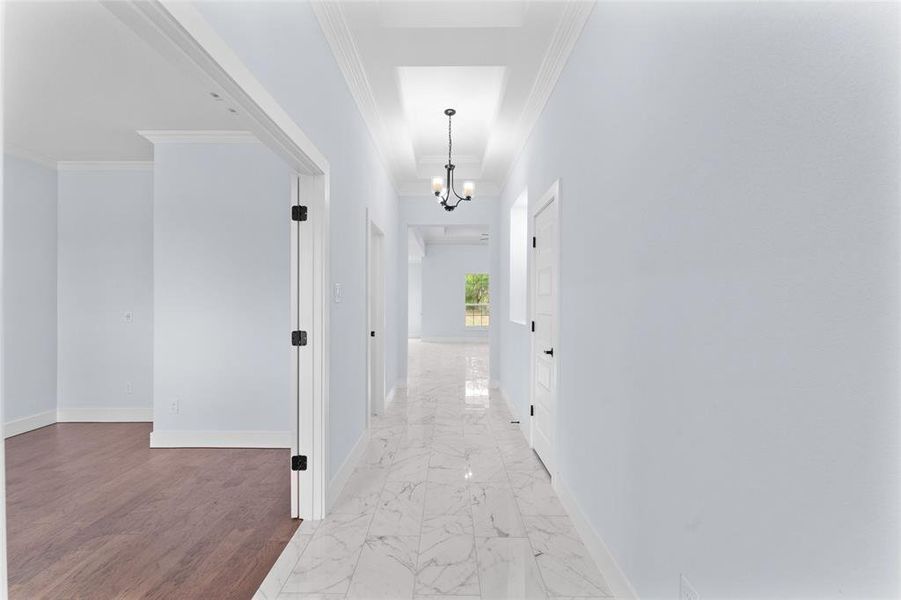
103, 415
347, 468
389, 398
400, 385
29, 423
457, 340
523, 423
616, 579
77, 415
220, 439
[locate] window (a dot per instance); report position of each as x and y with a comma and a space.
476, 300
519, 233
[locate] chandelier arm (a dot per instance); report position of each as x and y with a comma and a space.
450, 184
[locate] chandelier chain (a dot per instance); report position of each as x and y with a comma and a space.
449, 141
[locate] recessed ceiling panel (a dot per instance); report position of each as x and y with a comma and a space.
495, 62
473, 91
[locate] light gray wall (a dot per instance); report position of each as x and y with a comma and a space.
444, 269
513, 338
29, 289
105, 271
729, 352
426, 211
221, 247
283, 46
414, 300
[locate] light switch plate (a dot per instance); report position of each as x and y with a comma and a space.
339, 293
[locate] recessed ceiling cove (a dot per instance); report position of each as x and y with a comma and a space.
474, 92
496, 63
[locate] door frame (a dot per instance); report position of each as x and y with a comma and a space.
179, 32
551, 198
375, 235
309, 365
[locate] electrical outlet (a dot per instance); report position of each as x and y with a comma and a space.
686, 591
173, 406
128, 388
128, 316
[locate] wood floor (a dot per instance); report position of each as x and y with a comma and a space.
94, 513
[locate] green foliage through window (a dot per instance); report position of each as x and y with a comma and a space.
477, 300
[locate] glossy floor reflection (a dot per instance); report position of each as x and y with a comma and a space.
448, 501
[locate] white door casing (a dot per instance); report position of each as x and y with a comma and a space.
376, 312
544, 289
309, 307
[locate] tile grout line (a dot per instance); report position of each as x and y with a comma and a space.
353, 574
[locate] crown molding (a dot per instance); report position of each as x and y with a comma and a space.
198, 137
35, 157
340, 39
105, 165
575, 15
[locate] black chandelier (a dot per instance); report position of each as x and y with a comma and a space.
442, 191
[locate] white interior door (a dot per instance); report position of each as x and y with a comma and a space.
544, 311
376, 303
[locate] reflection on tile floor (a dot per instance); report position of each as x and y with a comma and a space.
447, 502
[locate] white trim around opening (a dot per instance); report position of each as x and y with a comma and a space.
179, 32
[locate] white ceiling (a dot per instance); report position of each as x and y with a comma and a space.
495, 62
79, 84
422, 236
454, 234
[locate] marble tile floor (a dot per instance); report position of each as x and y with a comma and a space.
447, 502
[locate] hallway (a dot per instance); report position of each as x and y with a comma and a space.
448, 501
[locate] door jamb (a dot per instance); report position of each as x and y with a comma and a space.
550, 197
372, 229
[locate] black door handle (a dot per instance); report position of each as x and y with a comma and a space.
549, 352
371, 334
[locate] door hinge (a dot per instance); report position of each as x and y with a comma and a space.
532, 410
534, 242
299, 463
298, 338
533, 326
298, 213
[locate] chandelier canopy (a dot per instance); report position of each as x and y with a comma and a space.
443, 188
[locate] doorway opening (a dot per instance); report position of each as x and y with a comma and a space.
448, 284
